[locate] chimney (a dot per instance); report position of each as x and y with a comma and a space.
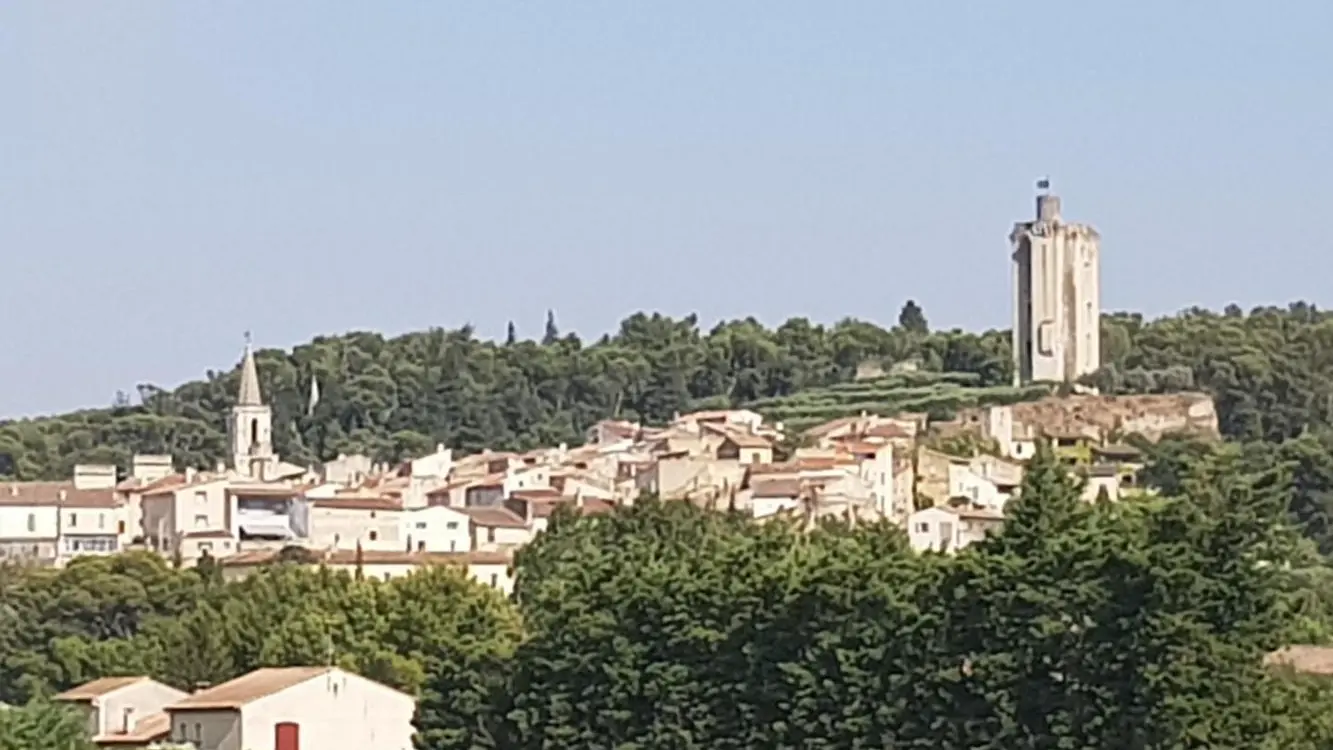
439, 447
190, 473
63, 494
14, 490
220, 467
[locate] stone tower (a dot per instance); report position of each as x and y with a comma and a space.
251, 428
1057, 296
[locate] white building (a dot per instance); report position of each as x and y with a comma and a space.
949, 529
293, 707
124, 712
1057, 296
437, 528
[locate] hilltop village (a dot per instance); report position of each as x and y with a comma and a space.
945, 482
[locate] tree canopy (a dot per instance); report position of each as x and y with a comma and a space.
396, 397
1089, 626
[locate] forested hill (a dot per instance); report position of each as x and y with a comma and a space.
1271, 371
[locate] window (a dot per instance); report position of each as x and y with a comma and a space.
32, 522
490, 533
205, 546
200, 497
101, 520
73, 520
495, 580
374, 535
923, 528
421, 524
183, 737
372, 514
387, 576
198, 734
452, 525
201, 521
120, 527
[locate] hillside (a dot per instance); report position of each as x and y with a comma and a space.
939, 394
1269, 371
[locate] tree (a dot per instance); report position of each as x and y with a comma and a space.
511, 335
913, 319
552, 333
43, 726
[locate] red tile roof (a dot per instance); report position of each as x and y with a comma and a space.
56, 493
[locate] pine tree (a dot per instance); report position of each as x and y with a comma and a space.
912, 318
511, 336
552, 334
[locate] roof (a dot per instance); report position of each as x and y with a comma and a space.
975, 514
248, 394
545, 493
210, 534
358, 503
372, 557
247, 688
1316, 660
741, 438
134, 486
97, 688
146, 730
501, 518
277, 491
56, 493
772, 488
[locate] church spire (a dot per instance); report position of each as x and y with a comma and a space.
249, 394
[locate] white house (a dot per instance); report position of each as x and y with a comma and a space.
949, 529
375, 523
293, 707
123, 711
489, 568
436, 528
53, 522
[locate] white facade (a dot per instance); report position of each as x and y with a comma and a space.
330, 710
436, 529
1057, 297
343, 524
943, 529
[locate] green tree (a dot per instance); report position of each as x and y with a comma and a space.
43, 726
912, 318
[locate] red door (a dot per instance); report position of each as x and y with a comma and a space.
287, 736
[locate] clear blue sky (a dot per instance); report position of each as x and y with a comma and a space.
172, 174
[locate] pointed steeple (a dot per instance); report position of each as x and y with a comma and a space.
249, 394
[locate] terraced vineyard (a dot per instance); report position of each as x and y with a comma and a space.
938, 394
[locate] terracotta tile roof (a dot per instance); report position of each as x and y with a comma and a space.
596, 506
264, 491
500, 518
260, 683
545, 493
862, 447
147, 730
134, 486
741, 438
777, 488
56, 493
373, 557
359, 503
211, 534
1305, 659
831, 426
98, 688
887, 430
976, 514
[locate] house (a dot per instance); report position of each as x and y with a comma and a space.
437, 528
740, 445
347, 520
771, 496
489, 568
292, 707
189, 518
742, 418
949, 529
123, 712
497, 528
53, 522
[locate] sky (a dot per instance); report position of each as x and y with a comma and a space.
175, 174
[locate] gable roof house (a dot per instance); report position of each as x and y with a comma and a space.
292, 707
123, 712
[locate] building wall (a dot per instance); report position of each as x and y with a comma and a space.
337, 711
143, 698
436, 529
21, 523
343, 528
1057, 305
210, 730
491, 538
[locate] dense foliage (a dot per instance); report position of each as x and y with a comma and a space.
394, 397
1084, 626
42, 726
